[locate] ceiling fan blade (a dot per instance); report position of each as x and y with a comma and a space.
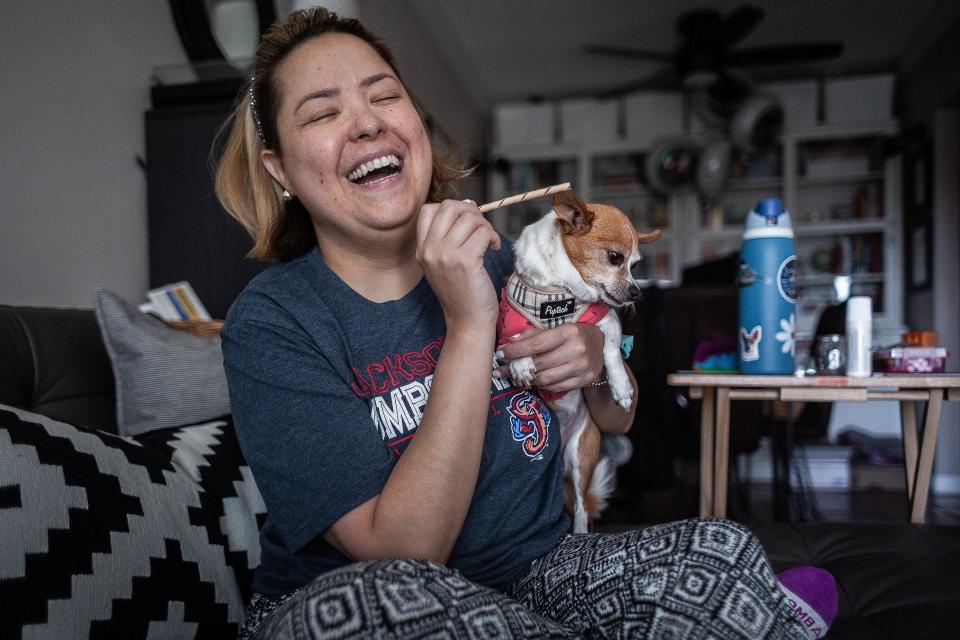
656, 80
740, 22
627, 52
700, 25
799, 53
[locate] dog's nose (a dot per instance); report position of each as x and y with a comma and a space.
634, 292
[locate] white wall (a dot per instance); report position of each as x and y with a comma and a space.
946, 285
931, 82
431, 79
76, 81
424, 67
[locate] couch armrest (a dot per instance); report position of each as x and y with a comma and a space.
54, 363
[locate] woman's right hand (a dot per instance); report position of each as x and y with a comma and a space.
452, 238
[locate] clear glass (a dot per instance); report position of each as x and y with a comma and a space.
831, 355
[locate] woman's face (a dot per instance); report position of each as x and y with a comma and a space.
354, 149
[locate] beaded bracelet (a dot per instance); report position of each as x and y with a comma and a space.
601, 381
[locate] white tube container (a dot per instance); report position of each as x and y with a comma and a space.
859, 336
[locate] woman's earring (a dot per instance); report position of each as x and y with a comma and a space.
286, 196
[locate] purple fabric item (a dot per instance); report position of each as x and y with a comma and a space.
812, 594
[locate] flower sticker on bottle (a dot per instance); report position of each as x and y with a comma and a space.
787, 335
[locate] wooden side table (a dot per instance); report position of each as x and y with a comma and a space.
717, 390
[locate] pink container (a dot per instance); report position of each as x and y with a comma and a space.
910, 360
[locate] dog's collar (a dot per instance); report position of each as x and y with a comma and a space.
543, 307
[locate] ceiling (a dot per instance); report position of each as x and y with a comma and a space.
506, 50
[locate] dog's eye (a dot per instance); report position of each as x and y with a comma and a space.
615, 257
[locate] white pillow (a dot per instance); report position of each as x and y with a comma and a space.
164, 377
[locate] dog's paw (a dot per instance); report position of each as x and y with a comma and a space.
624, 397
621, 390
523, 372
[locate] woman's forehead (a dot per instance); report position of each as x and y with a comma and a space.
335, 60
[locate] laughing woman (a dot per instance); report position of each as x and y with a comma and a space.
401, 503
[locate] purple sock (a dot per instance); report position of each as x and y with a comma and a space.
812, 596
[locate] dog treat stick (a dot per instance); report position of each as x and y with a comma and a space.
520, 197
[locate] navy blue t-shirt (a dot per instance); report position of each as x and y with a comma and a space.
327, 389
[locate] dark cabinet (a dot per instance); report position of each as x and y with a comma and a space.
191, 237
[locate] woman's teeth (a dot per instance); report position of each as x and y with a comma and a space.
360, 172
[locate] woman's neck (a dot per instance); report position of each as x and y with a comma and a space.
379, 271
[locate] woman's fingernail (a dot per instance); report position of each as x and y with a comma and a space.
514, 337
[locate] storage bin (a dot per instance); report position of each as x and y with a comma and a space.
910, 360
846, 167
523, 123
588, 120
824, 467
650, 116
799, 101
859, 99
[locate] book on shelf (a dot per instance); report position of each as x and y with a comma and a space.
860, 254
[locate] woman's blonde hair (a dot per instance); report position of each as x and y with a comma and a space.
282, 230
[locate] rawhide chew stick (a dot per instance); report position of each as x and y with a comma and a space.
520, 197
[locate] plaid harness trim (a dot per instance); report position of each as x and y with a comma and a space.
545, 309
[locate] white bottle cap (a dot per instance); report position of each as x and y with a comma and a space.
859, 310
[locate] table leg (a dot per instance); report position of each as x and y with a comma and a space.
931, 424
706, 453
722, 453
908, 421
777, 465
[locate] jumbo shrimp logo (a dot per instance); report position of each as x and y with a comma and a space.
530, 421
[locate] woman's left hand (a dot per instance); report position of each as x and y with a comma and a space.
566, 357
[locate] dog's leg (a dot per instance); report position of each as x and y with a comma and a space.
617, 377
571, 412
588, 479
588, 453
523, 371
572, 496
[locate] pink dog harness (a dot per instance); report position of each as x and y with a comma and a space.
522, 306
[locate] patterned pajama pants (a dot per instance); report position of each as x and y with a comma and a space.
700, 578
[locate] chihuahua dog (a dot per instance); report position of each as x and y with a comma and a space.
574, 265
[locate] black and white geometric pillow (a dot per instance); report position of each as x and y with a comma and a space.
110, 537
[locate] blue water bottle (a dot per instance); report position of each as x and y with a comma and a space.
768, 291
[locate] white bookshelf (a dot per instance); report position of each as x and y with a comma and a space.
819, 171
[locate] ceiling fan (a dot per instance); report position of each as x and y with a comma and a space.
707, 52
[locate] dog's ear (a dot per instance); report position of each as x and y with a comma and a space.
648, 237
572, 214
